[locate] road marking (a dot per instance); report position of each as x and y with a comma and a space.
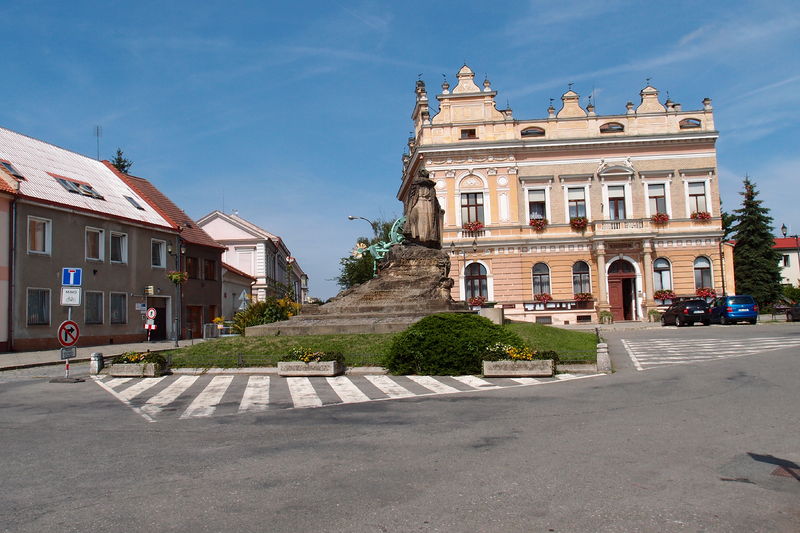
526, 381
157, 403
116, 382
303, 393
476, 382
433, 384
565, 376
636, 362
389, 387
120, 398
138, 388
207, 401
256, 395
347, 390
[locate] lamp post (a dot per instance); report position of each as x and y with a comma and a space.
374, 225
177, 252
784, 230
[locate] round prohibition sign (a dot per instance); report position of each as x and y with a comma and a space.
151, 312
68, 333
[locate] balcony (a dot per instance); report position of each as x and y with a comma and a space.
635, 225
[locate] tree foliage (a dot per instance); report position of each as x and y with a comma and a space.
120, 163
755, 261
356, 270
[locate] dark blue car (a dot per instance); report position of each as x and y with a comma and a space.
733, 309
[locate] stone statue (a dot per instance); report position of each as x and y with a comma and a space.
423, 214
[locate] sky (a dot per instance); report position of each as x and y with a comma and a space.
296, 114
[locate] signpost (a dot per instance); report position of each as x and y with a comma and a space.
68, 335
71, 296
71, 277
69, 332
150, 324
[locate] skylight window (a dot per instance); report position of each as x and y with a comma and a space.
77, 187
11, 169
134, 203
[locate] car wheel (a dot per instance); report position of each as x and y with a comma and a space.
664, 321
706, 322
678, 321
753, 320
722, 320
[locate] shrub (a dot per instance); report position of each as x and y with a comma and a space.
138, 358
307, 355
270, 310
500, 352
447, 344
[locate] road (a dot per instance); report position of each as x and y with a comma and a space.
700, 445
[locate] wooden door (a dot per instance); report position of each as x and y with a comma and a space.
194, 320
615, 299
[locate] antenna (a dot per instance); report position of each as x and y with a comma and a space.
98, 132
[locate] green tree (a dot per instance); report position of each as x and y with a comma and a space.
356, 270
755, 261
121, 164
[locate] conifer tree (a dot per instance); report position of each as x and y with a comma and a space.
121, 164
755, 261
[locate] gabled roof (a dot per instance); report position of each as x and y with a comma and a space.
190, 231
785, 242
238, 272
239, 222
94, 188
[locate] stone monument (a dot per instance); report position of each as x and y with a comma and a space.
412, 279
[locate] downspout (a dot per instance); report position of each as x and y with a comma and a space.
12, 241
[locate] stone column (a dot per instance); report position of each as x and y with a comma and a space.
647, 278
601, 276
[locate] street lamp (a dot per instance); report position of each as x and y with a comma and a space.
374, 225
784, 230
181, 250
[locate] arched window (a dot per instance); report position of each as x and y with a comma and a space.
689, 123
541, 278
612, 127
532, 132
475, 281
662, 280
702, 273
580, 278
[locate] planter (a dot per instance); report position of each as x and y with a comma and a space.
136, 370
518, 369
298, 368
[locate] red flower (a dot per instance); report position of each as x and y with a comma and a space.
473, 226
543, 297
660, 218
538, 224
701, 215
579, 223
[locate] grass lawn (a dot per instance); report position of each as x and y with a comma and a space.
359, 349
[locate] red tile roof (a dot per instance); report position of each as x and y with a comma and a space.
190, 232
785, 242
238, 272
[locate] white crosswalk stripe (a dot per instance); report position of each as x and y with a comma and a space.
654, 353
169, 395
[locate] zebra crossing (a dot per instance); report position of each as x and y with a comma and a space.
199, 396
654, 353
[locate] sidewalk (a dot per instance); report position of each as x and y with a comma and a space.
15, 360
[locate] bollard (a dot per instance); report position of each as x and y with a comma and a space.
96, 363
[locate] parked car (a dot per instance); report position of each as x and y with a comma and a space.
686, 313
732, 309
793, 313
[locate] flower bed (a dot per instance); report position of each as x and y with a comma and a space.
137, 364
538, 224
307, 362
504, 360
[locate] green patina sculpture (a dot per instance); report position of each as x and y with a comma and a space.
380, 249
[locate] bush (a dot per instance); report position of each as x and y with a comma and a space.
307, 355
447, 344
138, 358
270, 310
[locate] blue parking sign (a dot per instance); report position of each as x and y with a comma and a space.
71, 277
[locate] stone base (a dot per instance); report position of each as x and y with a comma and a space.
298, 368
136, 370
538, 368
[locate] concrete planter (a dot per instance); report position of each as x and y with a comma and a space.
298, 368
136, 370
518, 369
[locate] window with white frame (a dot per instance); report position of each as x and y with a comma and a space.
118, 307
576, 199
93, 307
537, 204
786, 261
471, 207
662, 277
475, 281
541, 279
39, 235
657, 198
616, 202
697, 197
119, 248
702, 273
38, 307
94, 244
158, 254
580, 278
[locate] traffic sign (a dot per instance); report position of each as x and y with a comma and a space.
69, 353
70, 296
68, 333
151, 312
71, 277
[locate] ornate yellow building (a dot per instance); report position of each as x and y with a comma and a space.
560, 218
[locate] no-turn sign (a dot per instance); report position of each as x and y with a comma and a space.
68, 333
151, 312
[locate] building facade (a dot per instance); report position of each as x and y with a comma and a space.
561, 218
789, 248
237, 290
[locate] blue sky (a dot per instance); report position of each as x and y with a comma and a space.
297, 114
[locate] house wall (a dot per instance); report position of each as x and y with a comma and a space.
232, 287
5, 222
202, 292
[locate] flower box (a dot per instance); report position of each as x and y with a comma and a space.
538, 224
701, 215
318, 368
472, 226
579, 223
517, 368
542, 297
660, 219
136, 370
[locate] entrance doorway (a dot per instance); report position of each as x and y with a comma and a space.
622, 290
194, 321
160, 305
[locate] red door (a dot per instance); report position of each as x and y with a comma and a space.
621, 290
615, 299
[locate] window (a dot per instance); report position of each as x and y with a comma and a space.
689, 123
580, 278
697, 197
468, 134
786, 261
134, 203
657, 198
158, 257
702, 273
532, 132
616, 202
193, 267
662, 280
11, 169
94, 244
537, 204
119, 307
541, 279
576, 199
119, 248
38, 307
612, 127
472, 207
209, 269
39, 237
77, 187
93, 308
475, 281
